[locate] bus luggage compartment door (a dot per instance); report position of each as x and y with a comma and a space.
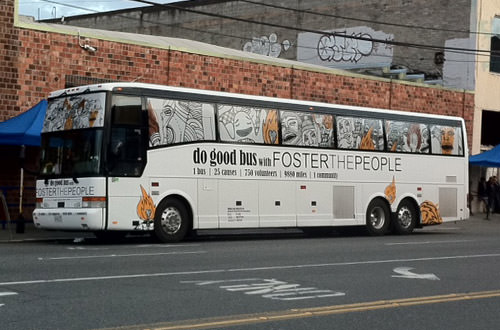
238, 204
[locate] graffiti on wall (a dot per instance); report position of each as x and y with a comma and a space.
338, 47
348, 48
267, 45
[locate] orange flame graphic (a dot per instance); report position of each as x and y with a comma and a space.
146, 208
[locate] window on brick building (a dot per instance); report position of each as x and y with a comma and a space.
495, 46
75, 81
489, 128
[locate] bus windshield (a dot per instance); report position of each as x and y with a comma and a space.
72, 153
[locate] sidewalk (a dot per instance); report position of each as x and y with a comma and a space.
9, 235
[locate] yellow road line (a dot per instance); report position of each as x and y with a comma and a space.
245, 319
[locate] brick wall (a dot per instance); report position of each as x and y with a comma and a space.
37, 62
235, 34
33, 63
9, 51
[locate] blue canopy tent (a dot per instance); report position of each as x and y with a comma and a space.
23, 130
490, 158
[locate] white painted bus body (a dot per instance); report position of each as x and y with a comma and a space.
228, 185
66, 205
246, 196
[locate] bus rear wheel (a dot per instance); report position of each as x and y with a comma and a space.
171, 221
405, 218
377, 218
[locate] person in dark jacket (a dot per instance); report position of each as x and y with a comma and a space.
482, 194
491, 192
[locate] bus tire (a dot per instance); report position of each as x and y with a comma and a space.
171, 221
405, 218
377, 217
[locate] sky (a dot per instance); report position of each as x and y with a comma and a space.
46, 9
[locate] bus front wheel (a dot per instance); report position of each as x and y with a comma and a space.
405, 218
171, 221
377, 217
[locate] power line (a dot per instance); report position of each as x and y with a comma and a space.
71, 6
361, 19
251, 39
82, 1
285, 27
388, 42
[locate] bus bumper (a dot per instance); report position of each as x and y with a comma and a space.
70, 219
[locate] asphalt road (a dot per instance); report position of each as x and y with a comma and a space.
442, 277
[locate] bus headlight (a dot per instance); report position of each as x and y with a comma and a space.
94, 202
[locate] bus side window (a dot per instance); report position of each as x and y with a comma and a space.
179, 121
247, 124
307, 129
447, 140
359, 133
405, 136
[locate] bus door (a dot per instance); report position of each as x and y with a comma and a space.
125, 162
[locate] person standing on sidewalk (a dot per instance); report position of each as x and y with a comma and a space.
496, 185
491, 190
482, 193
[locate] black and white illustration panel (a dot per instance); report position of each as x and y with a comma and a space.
178, 121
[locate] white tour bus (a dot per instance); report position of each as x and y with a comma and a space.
125, 157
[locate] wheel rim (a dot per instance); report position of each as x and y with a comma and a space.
377, 218
405, 217
171, 220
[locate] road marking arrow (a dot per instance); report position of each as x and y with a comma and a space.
404, 272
